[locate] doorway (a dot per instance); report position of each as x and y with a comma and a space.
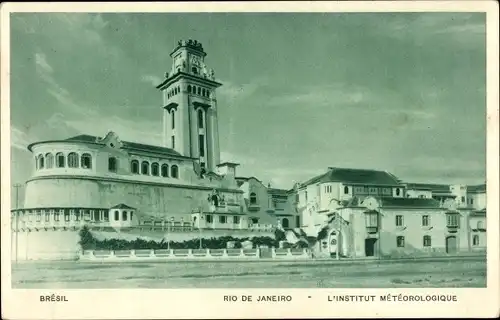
451, 244
370, 247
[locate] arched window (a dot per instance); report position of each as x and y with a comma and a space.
73, 160
199, 91
117, 215
178, 89
200, 118
155, 169
475, 240
346, 190
86, 160
194, 70
134, 166
49, 160
145, 167
253, 198
112, 164
173, 119
285, 223
41, 161
164, 170
480, 225
398, 191
189, 88
174, 171
203, 92
60, 160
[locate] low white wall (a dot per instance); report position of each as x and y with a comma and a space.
190, 254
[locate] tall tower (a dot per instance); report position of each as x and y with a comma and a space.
190, 124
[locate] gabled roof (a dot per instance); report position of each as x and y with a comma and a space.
355, 176
122, 206
128, 145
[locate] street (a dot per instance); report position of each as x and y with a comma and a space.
445, 272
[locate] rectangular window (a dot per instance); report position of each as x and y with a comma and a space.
297, 221
236, 220
222, 219
173, 119
38, 216
173, 142
47, 217
97, 216
427, 241
371, 220
72, 214
66, 216
201, 141
386, 191
106, 216
131, 215
372, 191
425, 220
117, 215
124, 216
463, 199
209, 218
399, 221
306, 195
92, 215
400, 241
452, 220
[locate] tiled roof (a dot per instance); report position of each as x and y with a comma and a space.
121, 206
355, 176
429, 186
479, 213
277, 191
409, 202
128, 145
477, 188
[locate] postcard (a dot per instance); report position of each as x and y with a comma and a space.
250, 160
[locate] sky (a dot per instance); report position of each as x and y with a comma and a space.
402, 92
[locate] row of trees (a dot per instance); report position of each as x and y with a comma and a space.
89, 242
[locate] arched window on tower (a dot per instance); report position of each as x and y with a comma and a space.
86, 161
189, 88
174, 171
155, 169
49, 160
41, 161
60, 160
173, 118
112, 164
73, 160
200, 119
145, 168
253, 198
134, 166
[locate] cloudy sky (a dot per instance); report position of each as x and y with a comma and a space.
302, 92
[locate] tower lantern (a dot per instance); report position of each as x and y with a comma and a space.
190, 124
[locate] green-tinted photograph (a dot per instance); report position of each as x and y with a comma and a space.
248, 150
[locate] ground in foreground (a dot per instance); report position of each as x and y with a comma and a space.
454, 272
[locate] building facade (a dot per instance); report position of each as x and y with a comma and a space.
368, 213
104, 182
